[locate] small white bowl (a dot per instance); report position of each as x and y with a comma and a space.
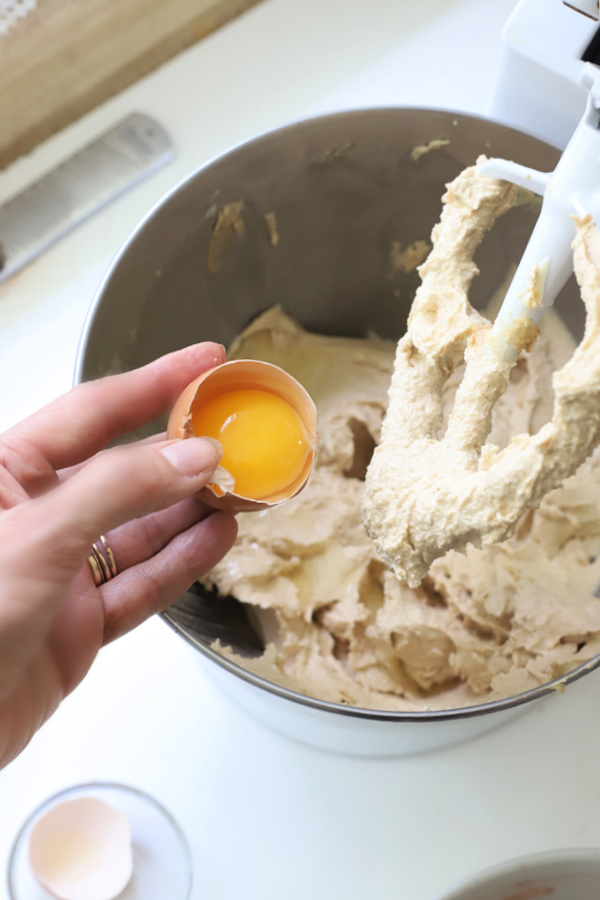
162, 863
556, 874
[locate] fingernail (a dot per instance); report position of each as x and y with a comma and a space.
193, 456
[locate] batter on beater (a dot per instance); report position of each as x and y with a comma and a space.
432, 485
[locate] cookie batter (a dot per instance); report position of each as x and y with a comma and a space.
338, 624
435, 484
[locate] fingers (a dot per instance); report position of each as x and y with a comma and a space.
115, 487
24, 472
155, 583
142, 538
44, 543
83, 421
69, 471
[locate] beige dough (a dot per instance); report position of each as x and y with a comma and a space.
435, 484
482, 625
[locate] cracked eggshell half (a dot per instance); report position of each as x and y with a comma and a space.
245, 374
82, 850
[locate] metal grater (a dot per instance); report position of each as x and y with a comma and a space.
78, 187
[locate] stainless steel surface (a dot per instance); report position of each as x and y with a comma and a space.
342, 188
80, 186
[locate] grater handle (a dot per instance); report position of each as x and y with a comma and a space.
101, 171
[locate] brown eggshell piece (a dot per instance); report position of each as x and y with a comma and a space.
234, 375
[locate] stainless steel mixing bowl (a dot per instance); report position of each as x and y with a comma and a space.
342, 188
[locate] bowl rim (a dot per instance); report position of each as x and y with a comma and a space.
91, 788
557, 685
519, 865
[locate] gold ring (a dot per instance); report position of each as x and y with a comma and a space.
102, 562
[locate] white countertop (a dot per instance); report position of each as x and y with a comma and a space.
268, 818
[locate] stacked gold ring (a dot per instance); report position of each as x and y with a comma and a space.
102, 562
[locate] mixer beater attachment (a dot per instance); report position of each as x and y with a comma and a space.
428, 492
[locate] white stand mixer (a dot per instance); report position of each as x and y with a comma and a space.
573, 189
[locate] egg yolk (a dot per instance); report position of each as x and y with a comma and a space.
265, 445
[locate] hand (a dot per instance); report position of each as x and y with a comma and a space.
59, 491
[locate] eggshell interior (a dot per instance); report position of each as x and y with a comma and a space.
81, 850
232, 375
